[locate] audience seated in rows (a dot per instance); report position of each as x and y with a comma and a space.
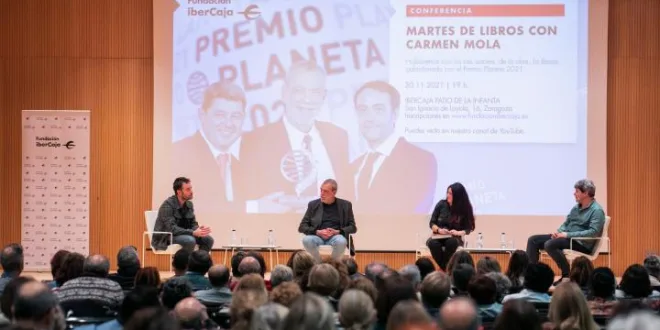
326, 294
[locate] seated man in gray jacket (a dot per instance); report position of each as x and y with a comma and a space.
177, 216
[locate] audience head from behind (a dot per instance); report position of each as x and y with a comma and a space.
219, 276
425, 266
301, 262
37, 307
72, 268
581, 269
260, 259
487, 265
342, 270
175, 290
412, 273
180, 262
192, 314
249, 265
502, 282
373, 270
96, 266
148, 276
251, 282
517, 266
539, 277
128, 260
602, 283
365, 285
9, 294
351, 266
137, 299
459, 314
280, 274
461, 276
268, 316
569, 309
152, 318
356, 310
323, 280
459, 258
483, 290
199, 262
310, 311
635, 282
391, 290
236, 260
243, 304
435, 290
652, 265
625, 307
286, 293
56, 262
409, 314
518, 314
638, 320
11, 259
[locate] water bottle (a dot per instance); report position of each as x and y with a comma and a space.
503, 241
480, 241
234, 239
271, 238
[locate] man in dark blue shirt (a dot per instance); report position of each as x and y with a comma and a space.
328, 221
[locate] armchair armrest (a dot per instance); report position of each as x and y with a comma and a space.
147, 233
570, 244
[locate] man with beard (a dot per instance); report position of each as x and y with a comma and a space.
177, 216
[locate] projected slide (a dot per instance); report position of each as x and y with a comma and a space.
395, 100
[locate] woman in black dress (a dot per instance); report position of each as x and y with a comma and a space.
452, 216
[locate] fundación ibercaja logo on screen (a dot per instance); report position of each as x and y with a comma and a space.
220, 8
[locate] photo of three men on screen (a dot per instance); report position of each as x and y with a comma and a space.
280, 166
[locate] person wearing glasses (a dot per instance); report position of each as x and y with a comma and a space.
321, 145
210, 157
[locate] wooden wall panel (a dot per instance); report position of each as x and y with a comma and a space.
633, 122
98, 55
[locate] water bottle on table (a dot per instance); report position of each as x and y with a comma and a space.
480, 241
271, 238
233, 240
503, 241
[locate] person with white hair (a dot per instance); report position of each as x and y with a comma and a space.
310, 311
280, 274
268, 317
642, 320
356, 310
411, 272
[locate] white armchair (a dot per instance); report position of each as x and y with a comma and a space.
150, 219
601, 242
598, 247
